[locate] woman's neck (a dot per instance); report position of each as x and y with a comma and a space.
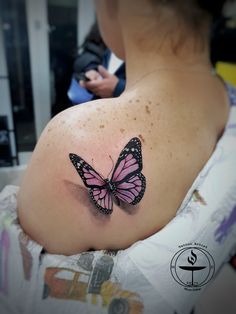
140, 66
152, 46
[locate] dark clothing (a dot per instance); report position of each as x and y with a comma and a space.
223, 37
78, 94
89, 59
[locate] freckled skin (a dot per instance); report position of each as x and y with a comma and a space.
147, 109
43, 196
142, 138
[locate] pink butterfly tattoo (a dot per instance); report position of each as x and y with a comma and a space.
127, 183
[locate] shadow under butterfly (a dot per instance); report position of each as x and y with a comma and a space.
126, 186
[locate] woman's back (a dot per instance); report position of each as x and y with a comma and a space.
177, 115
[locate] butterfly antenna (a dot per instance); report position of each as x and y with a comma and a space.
94, 167
112, 166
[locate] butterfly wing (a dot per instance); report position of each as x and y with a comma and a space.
98, 192
89, 176
132, 190
102, 199
129, 182
129, 161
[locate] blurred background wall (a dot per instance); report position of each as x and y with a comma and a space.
39, 40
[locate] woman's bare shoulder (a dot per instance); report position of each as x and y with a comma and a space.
53, 199
54, 194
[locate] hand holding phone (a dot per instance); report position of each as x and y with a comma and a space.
81, 77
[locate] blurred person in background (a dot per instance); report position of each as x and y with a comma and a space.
98, 73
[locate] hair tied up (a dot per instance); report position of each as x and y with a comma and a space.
212, 7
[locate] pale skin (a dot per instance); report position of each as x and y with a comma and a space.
171, 102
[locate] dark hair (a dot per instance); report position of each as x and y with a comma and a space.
94, 36
197, 17
92, 51
212, 7
194, 12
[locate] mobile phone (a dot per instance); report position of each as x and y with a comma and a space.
81, 77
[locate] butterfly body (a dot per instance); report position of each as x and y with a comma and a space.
127, 183
111, 187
